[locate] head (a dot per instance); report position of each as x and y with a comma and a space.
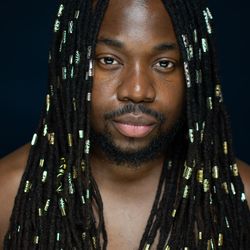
138, 86
127, 73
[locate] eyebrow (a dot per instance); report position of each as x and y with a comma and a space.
168, 46
111, 42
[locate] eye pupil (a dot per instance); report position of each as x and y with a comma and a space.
109, 60
164, 64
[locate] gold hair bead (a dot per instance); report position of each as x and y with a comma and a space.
81, 134
87, 194
70, 27
36, 240
200, 236
210, 103
190, 52
174, 213
45, 130
146, 247
227, 223
225, 147
206, 185
186, 191
91, 68
40, 212
74, 172
44, 176
209, 28
167, 247
27, 187
83, 165
220, 240
41, 163
235, 170
71, 188
218, 92
204, 45
83, 235
225, 187
60, 10
200, 175
170, 164
34, 140
94, 242
47, 204
70, 140
74, 103
62, 207
209, 13
71, 58
187, 75
187, 173
47, 103
64, 73
233, 189
64, 38
87, 146
57, 26
198, 76
215, 172
195, 36
77, 57
51, 138
191, 135
243, 197
72, 71
89, 97
83, 200
77, 13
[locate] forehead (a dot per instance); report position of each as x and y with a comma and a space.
137, 18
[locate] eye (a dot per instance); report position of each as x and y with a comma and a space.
107, 60
165, 65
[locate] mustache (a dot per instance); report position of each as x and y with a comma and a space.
135, 109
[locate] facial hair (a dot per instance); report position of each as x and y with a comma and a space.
124, 157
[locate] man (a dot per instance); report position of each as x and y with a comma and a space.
133, 150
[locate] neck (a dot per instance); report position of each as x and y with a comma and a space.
124, 178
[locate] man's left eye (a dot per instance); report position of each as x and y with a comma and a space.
165, 65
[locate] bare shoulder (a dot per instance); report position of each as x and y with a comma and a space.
244, 170
11, 170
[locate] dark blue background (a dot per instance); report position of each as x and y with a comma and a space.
25, 37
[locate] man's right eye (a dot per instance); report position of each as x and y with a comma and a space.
108, 61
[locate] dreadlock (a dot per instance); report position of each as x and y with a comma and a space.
200, 201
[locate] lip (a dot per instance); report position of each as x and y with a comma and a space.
135, 125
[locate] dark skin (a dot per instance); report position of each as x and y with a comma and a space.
138, 61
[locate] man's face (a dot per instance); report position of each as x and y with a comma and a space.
138, 89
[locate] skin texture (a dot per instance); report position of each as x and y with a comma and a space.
130, 67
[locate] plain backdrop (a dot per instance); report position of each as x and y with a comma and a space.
24, 42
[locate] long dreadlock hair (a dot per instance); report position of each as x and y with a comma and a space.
200, 201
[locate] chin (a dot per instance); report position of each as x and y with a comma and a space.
133, 151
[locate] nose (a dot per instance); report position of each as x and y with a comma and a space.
137, 85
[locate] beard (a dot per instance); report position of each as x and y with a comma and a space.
157, 147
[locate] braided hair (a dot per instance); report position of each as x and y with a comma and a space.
200, 201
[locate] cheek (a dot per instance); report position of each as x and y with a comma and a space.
172, 97
102, 95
